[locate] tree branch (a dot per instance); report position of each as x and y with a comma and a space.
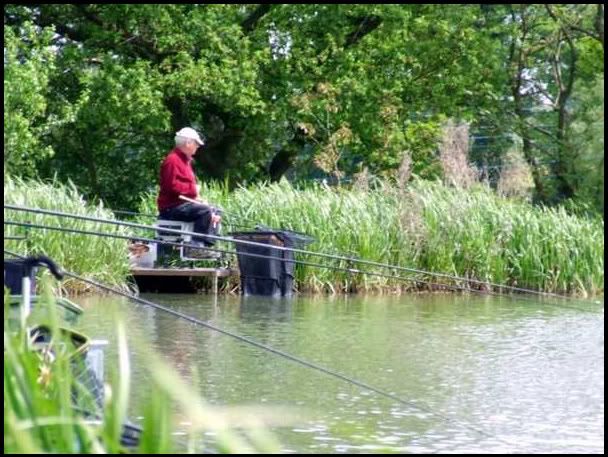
599, 23
254, 18
365, 26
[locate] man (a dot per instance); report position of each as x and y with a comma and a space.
177, 180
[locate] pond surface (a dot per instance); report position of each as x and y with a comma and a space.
477, 374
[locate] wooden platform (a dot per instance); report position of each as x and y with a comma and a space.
181, 273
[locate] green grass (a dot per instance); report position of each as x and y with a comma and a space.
473, 234
103, 259
428, 226
480, 235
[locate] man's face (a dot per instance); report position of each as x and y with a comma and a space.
190, 148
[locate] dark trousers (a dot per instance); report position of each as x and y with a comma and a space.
199, 214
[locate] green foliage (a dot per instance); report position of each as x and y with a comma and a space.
103, 259
420, 64
427, 226
422, 139
369, 83
28, 63
477, 234
40, 414
112, 154
587, 143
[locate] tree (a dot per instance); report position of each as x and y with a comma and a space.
382, 73
28, 62
333, 88
113, 147
545, 52
586, 141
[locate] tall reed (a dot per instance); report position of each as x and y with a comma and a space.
104, 259
474, 234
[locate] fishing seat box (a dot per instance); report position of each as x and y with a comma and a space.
164, 251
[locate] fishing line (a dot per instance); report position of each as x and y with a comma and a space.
303, 251
275, 351
301, 262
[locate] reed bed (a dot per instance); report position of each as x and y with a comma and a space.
99, 258
472, 234
427, 226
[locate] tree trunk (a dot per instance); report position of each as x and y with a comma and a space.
281, 163
284, 159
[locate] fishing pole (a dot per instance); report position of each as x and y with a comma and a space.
155, 216
224, 213
133, 213
335, 257
295, 261
257, 225
277, 352
247, 254
190, 200
297, 250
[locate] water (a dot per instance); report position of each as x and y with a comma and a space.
477, 374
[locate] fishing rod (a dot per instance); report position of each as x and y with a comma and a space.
297, 250
249, 254
275, 351
152, 227
190, 200
262, 227
335, 257
222, 211
295, 261
133, 213
155, 216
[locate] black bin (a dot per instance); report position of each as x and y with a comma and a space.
14, 270
272, 273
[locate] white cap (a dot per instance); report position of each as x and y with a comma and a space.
191, 134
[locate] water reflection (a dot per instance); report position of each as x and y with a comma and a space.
269, 310
529, 375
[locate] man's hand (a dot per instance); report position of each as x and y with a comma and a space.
216, 219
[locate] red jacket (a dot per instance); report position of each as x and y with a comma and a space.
176, 178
